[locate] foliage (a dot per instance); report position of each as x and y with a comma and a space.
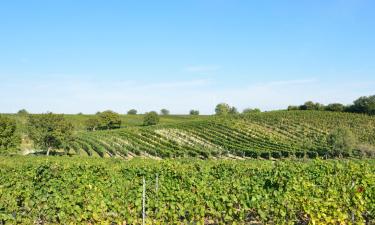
249, 110
222, 109
233, 110
104, 121
194, 112
293, 107
364, 105
101, 191
50, 131
164, 112
23, 112
309, 105
341, 141
109, 120
151, 118
335, 107
132, 112
9, 139
93, 123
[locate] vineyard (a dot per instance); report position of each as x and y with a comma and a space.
76, 190
275, 134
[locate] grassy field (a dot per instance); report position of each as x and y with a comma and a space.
76, 190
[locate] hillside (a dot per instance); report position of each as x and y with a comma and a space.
271, 134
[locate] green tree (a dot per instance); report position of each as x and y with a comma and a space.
109, 120
164, 112
341, 141
292, 107
233, 110
335, 107
23, 112
222, 109
309, 105
249, 110
93, 123
9, 138
364, 105
50, 131
151, 118
132, 112
194, 112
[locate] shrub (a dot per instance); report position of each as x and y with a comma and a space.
150, 118
341, 142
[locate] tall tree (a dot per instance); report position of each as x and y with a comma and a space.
50, 131
222, 109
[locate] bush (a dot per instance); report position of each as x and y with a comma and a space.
249, 111
194, 112
365, 150
335, 107
150, 118
341, 142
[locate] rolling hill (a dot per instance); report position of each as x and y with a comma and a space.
268, 135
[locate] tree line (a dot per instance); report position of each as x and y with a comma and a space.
365, 105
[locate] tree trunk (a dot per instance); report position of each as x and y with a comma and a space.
48, 150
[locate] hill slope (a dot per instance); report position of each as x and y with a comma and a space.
271, 134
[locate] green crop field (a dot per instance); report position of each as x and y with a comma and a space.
76, 190
196, 170
275, 134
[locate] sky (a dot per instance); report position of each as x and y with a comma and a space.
70, 56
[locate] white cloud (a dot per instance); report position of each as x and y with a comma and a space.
74, 95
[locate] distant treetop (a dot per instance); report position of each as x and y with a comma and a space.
132, 112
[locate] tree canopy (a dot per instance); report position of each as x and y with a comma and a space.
222, 109
151, 118
164, 112
50, 131
132, 112
104, 121
364, 105
194, 112
249, 110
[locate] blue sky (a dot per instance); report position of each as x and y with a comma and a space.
72, 56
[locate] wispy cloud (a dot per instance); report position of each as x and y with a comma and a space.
179, 96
